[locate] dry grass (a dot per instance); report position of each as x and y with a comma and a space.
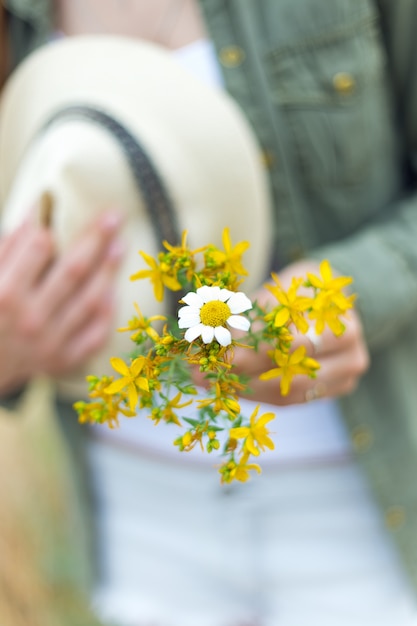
35, 586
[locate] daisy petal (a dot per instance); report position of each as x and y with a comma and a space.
239, 322
207, 334
223, 335
207, 293
193, 332
188, 309
193, 299
225, 294
189, 320
239, 302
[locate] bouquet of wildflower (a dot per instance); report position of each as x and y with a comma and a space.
157, 377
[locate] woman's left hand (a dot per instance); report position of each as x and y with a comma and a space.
343, 360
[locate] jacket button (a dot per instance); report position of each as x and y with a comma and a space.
268, 159
344, 83
395, 517
296, 253
362, 438
231, 56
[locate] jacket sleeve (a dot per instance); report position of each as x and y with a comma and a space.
382, 258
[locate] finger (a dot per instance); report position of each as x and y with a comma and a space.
26, 256
318, 388
338, 375
249, 362
351, 363
8, 241
78, 266
269, 391
319, 346
95, 296
57, 357
91, 297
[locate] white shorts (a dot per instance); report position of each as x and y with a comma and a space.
301, 546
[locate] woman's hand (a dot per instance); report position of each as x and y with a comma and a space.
342, 359
54, 312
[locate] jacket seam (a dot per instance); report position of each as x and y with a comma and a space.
324, 38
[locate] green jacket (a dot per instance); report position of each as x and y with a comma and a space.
330, 87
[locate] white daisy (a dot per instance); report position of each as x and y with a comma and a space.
207, 312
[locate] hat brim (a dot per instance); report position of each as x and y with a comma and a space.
206, 154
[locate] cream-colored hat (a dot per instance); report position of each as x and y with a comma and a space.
123, 113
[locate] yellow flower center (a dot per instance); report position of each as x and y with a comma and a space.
214, 313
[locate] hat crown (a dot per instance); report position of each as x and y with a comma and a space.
195, 136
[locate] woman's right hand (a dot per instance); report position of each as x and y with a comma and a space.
55, 312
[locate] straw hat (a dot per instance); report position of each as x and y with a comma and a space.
97, 122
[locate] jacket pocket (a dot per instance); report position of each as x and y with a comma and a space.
332, 93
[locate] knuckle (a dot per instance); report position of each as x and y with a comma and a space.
91, 303
30, 325
76, 270
41, 242
362, 361
47, 355
365, 361
352, 384
8, 294
349, 386
98, 337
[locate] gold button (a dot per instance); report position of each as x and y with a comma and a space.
268, 159
344, 83
231, 56
362, 438
395, 517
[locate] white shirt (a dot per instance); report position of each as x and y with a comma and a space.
305, 432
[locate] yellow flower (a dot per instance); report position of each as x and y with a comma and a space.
292, 305
229, 405
255, 433
327, 282
211, 357
130, 379
241, 471
167, 413
326, 311
231, 258
222, 401
182, 252
159, 277
330, 302
289, 365
142, 324
238, 471
188, 441
105, 410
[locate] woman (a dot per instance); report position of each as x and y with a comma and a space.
329, 90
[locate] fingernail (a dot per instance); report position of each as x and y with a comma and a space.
116, 250
111, 221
